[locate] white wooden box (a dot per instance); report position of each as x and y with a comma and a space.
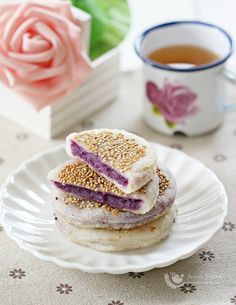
99, 88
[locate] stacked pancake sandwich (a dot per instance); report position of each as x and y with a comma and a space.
112, 195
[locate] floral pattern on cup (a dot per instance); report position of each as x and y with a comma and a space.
175, 102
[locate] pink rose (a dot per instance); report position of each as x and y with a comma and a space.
41, 54
175, 102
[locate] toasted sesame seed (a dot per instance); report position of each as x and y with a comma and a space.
114, 149
80, 174
85, 204
163, 182
152, 228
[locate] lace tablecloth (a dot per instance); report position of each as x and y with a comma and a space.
210, 274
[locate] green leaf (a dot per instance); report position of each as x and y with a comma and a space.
156, 110
110, 23
170, 124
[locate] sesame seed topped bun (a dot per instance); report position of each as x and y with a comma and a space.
125, 159
77, 179
90, 214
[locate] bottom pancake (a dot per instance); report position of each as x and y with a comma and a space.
110, 240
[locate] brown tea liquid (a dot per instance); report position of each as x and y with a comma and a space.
186, 54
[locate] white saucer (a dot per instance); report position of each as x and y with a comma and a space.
27, 216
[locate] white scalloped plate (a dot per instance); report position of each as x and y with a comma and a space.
27, 216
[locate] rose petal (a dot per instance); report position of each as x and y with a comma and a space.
34, 44
64, 9
10, 77
42, 74
3, 20
16, 39
48, 16
4, 17
7, 77
71, 57
59, 50
62, 24
10, 63
8, 8
33, 58
13, 23
82, 68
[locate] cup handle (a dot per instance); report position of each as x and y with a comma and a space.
230, 76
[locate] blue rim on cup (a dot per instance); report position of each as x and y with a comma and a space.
141, 37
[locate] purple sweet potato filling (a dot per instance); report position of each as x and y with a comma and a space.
96, 163
105, 198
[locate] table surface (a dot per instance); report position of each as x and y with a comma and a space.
210, 274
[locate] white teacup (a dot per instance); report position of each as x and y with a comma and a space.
183, 98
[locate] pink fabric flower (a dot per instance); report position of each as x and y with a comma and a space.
174, 101
41, 53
